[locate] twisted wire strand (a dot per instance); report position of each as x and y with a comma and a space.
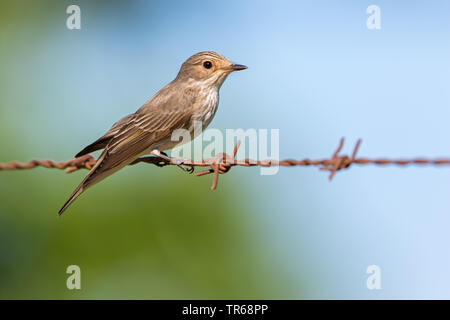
223, 162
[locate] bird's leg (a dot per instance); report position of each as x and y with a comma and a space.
162, 163
179, 163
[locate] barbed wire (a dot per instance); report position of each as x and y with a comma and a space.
223, 162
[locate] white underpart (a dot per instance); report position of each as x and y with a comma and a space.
209, 93
209, 110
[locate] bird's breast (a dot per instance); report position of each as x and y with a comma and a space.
206, 108
202, 112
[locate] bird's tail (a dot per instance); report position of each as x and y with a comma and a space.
92, 177
79, 190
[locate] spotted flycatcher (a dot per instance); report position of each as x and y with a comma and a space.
193, 96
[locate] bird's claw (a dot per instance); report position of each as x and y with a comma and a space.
185, 169
190, 170
180, 164
161, 164
165, 160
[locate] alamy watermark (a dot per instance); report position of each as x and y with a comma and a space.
373, 281
74, 20
74, 280
373, 22
255, 144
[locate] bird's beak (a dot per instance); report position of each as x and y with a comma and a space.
235, 67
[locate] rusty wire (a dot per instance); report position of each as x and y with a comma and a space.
223, 162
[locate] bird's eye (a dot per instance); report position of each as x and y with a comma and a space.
207, 64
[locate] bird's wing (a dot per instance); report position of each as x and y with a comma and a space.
102, 142
142, 131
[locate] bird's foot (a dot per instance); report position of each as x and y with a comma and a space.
164, 156
178, 162
186, 168
161, 164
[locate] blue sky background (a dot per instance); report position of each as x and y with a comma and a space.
317, 74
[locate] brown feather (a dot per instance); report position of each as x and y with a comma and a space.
102, 142
97, 145
83, 185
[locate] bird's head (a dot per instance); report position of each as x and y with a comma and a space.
209, 68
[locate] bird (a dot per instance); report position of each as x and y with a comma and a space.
191, 97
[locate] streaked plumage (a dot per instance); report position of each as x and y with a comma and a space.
192, 95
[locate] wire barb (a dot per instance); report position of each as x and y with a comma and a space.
340, 162
223, 162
